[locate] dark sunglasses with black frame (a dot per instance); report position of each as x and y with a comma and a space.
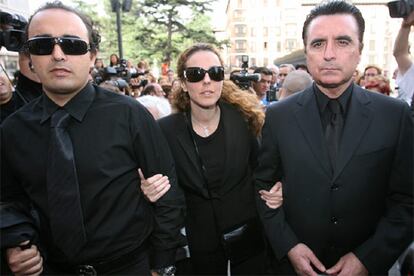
196, 74
44, 45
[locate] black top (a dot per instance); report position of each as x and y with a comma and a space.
322, 101
112, 136
212, 153
26, 91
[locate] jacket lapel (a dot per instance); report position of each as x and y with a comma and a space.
309, 121
357, 121
185, 141
232, 143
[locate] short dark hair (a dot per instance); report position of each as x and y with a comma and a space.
332, 7
263, 70
93, 35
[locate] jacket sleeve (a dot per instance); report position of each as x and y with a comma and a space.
155, 158
268, 172
394, 231
17, 223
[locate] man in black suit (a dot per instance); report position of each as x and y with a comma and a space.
344, 156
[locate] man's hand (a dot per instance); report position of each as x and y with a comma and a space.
154, 187
409, 20
302, 257
273, 197
24, 261
348, 265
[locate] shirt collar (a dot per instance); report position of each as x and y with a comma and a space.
76, 107
323, 100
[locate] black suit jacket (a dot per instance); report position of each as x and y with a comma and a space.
208, 216
365, 205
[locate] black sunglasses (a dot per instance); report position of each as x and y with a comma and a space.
44, 45
196, 74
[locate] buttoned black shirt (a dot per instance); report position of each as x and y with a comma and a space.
112, 136
322, 100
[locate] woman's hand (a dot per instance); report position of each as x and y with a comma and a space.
273, 197
155, 186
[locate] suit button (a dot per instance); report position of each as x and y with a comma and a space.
334, 220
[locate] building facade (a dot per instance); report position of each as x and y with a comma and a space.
268, 30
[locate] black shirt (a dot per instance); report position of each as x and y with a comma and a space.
112, 136
26, 91
212, 152
322, 101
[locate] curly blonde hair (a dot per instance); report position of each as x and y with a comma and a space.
244, 101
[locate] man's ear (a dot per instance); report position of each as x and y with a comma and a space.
31, 67
183, 86
93, 54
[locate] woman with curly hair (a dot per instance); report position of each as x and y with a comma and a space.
213, 138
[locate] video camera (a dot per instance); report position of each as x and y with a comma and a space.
243, 78
401, 8
119, 76
12, 35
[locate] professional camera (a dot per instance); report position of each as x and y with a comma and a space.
119, 77
12, 35
401, 8
271, 94
243, 78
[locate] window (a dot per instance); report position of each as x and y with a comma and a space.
290, 45
240, 3
240, 30
372, 45
240, 45
278, 46
252, 32
265, 31
253, 62
291, 30
265, 45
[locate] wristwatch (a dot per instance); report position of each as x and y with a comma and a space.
166, 271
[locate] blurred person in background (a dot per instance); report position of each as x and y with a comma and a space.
371, 71
157, 106
28, 87
284, 70
295, 82
113, 60
6, 94
261, 86
379, 84
405, 76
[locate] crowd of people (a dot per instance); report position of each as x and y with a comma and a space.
106, 170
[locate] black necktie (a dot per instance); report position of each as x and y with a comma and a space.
66, 219
334, 129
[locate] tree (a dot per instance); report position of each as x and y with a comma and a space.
153, 29
166, 30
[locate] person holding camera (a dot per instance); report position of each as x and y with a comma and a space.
262, 86
213, 139
68, 157
405, 76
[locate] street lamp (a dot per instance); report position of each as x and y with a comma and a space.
116, 7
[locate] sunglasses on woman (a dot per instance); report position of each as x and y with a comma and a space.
196, 74
44, 45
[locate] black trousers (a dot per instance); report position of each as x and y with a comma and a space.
215, 263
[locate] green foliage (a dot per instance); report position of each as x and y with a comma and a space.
154, 30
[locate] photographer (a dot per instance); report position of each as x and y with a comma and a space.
405, 77
261, 86
28, 86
